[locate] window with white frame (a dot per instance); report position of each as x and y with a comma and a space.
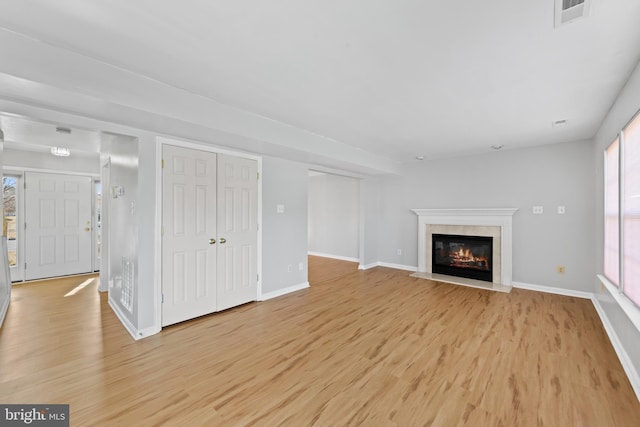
622, 212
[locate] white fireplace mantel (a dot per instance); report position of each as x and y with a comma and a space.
496, 217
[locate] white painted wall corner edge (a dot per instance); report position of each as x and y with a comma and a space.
283, 291
133, 331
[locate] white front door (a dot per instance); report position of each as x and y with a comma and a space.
58, 225
237, 231
189, 232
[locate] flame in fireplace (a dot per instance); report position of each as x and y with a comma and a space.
464, 258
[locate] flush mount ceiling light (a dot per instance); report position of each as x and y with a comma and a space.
497, 146
419, 157
60, 151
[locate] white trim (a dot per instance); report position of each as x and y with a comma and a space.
388, 265
133, 331
283, 291
339, 257
466, 212
17, 271
552, 290
397, 266
632, 312
623, 356
201, 146
125, 322
43, 170
157, 259
147, 332
500, 217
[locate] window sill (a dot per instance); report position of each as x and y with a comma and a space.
632, 312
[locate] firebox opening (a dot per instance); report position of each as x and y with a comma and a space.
463, 256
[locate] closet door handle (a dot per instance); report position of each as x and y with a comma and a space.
223, 240
212, 241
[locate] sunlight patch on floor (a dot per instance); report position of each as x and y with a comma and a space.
80, 287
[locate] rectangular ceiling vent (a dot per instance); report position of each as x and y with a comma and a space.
569, 10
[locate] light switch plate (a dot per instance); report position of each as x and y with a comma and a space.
280, 208
538, 210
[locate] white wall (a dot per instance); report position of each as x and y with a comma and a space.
551, 175
149, 282
371, 203
82, 164
284, 235
334, 215
624, 108
121, 218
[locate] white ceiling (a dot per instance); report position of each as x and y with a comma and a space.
25, 134
396, 78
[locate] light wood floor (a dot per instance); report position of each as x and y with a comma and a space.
322, 269
375, 348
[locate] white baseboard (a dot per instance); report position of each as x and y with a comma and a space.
125, 322
339, 257
552, 290
147, 332
623, 356
368, 266
283, 291
398, 266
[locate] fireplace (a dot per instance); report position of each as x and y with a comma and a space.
492, 223
463, 256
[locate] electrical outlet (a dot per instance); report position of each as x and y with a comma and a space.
301, 266
561, 210
560, 269
399, 252
289, 268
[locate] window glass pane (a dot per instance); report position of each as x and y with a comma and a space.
9, 207
611, 214
631, 210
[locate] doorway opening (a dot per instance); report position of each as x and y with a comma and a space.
333, 218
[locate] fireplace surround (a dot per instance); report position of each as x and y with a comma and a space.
491, 222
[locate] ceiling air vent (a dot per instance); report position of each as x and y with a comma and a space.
570, 10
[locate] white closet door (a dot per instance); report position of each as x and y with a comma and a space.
189, 225
237, 231
58, 225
